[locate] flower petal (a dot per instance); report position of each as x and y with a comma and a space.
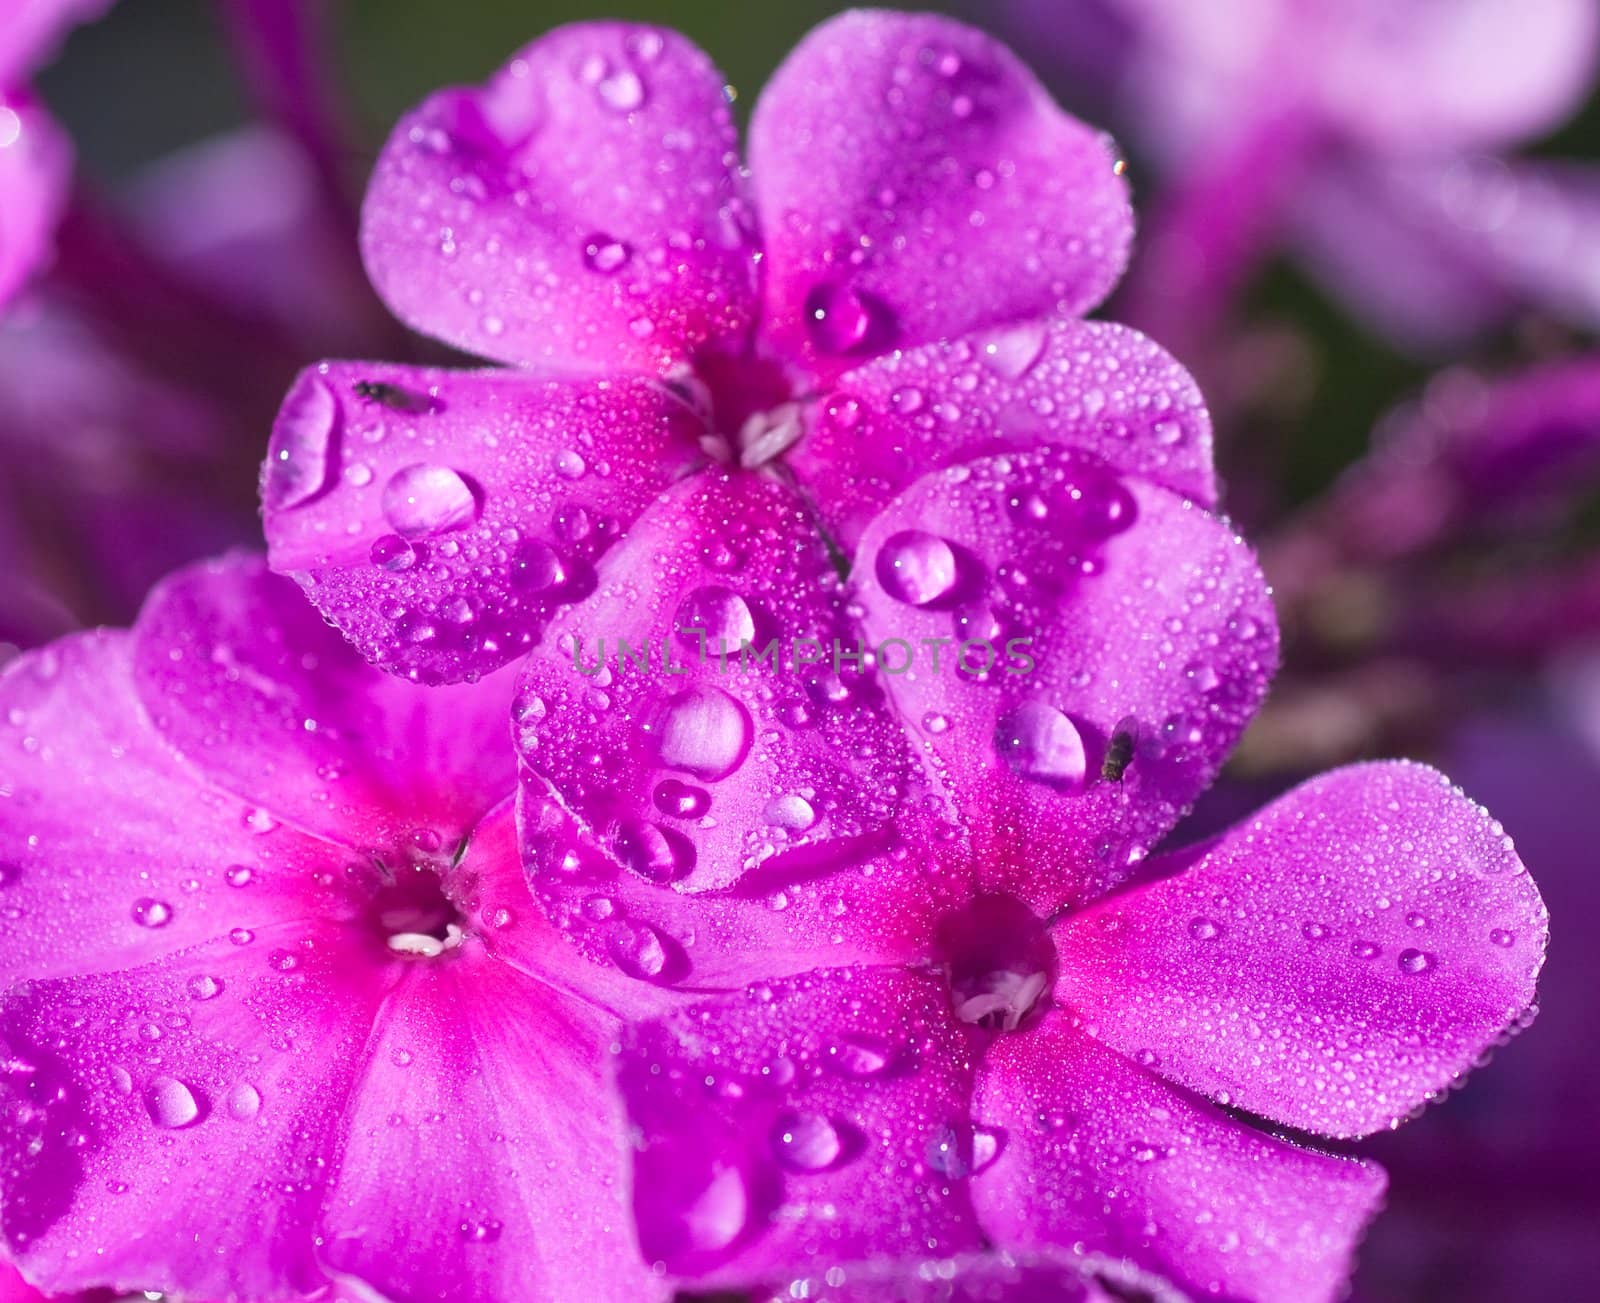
702, 782
157, 1114
483, 1156
1099, 1153
33, 29
112, 852
258, 694
581, 209
1332, 964
822, 1118
916, 183
35, 167
438, 517
1094, 386
1127, 635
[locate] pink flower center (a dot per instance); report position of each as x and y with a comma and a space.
751, 405
413, 915
999, 960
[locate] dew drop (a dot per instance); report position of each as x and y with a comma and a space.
244, 1101
702, 730
202, 987
637, 949
604, 255
424, 499
1503, 938
717, 614
149, 912
862, 1057
171, 1104
1416, 961
302, 443
792, 812
392, 552
916, 567
622, 91
1042, 744
837, 318
1203, 929
806, 1142
657, 854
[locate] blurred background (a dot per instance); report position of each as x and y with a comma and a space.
1370, 227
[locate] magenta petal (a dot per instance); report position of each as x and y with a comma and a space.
582, 208
1093, 386
258, 694
35, 168
1099, 1153
765, 798
915, 183
1103, 645
113, 853
1332, 964
34, 27
818, 1119
483, 1157
154, 1115
438, 517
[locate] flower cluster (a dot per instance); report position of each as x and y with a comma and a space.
362, 936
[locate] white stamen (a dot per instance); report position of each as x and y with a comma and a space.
1001, 999
767, 435
423, 945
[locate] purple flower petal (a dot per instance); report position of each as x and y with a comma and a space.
1089, 385
481, 1129
1099, 1152
267, 702
1332, 964
112, 853
35, 167
895, 154
438, 517
704, 793
1104, 645
199, 1093
581, 209
32, 30
813, 1119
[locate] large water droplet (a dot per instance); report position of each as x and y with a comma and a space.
792, 812
604, 255
960, 1149
425, 499
622, 91
916, 568
1416, 961
717, 614
392, 552
862, 1056
244, 1101
717, 1216
1042, 744
1013, 353
656, 854
171, 1104
837, 318
637, 949
149, 912
681, 800
806, 1142
702, 730
537, 568
302, 443
203, 987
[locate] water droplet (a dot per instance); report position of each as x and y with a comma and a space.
149, 912
806, 1142
425, 499
244, 1101
715, 1219
862, 1057
704, 731
480, 1232
239, 875
1365, 949
1502, 938
538, 568
1416, 961
392, 553
837, 318
959, 1150
1013, 353
171, 1104
916, 568
657, 854
302, 443
1313, 931
241, 936
717, 614
681, 800
202, 987
622, 91
1042, 744
604, 255
570, 463
1203, 929
637, 950
792, 812
936, 723
401, 1057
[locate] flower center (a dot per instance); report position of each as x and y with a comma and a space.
749, 405
999, 960
414, 916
